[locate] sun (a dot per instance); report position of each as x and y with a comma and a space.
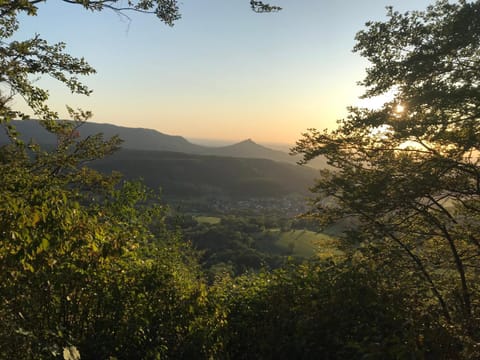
399, 108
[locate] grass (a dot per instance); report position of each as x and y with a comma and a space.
211, 220
307, 243
302, 243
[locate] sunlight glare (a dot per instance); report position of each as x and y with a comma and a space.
377, 102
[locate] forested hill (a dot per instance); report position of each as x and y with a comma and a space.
187, 175
183, 169
148, 139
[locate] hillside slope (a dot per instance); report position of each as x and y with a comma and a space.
187, 175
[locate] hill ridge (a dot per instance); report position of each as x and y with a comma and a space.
139, 138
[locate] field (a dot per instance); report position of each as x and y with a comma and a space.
307, 243
211, 220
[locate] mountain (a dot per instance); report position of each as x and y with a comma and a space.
249, 149
148, 139
134, 138
184, 170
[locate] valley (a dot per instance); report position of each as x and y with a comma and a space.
250, 194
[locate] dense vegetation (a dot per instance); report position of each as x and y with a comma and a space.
194, 176
410, 171
95, 267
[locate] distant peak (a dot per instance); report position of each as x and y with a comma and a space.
248, 141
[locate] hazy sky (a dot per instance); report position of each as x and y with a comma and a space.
222, 72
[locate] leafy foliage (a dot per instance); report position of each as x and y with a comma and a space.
409, 175
317, 310
86, 262
87, 267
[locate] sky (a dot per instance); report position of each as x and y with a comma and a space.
222, 72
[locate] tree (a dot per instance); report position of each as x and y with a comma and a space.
408, 174
91, 268
316, 310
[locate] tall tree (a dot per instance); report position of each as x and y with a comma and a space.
408, 174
